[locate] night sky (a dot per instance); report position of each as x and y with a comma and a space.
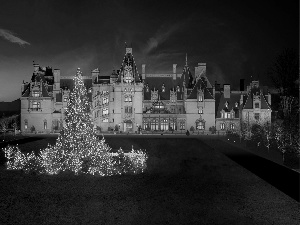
236, 39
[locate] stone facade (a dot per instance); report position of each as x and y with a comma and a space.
129, 102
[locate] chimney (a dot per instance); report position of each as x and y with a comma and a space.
143, 71
174, 71
56, 73
241, 100
95, 75
226, 90
200, 70
242, 84
22, 87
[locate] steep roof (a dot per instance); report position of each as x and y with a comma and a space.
128, 60
221, 100
158, 82
248, 100
26, 91
208, 92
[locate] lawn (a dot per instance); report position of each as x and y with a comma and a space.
186, 182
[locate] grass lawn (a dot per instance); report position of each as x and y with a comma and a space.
186, 182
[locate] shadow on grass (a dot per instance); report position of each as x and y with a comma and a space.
281, 177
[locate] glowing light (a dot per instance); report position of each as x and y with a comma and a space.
77, 148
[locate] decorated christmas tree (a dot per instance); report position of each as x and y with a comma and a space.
77, 148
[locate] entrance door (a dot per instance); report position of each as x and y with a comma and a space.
128, 126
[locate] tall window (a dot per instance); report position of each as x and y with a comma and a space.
232, 126
65, 99
257, 105
26, 124
173, 124
164, 125
145, 124
222, 126
182, 125
154, 124
227, 115
200, 98
45, 124
200, 111
256, 116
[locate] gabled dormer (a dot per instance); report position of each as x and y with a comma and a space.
154, 95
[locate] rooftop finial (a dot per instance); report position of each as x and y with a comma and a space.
186, 59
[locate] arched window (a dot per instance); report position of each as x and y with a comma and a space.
164, 125
45, 124
200, 125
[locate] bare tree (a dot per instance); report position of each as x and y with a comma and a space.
4, 125
285, 73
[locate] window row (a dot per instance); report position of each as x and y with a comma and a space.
231, 126
227, 115
26, 125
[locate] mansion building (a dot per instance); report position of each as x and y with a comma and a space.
129, 101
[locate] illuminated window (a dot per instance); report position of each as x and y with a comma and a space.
236, 105
164, 125
227, 115
154, 124
200, 111
222, 126
35, 94
105, 111
45, 125
105, 120
26, 124
256, 116
178, 88
232, 126
35, 106
173, 124
200, 125
200, 98
105, 101
65, 99
163, 89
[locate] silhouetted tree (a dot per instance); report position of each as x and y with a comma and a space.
285, 73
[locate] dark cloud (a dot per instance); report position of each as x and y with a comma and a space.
237, 39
